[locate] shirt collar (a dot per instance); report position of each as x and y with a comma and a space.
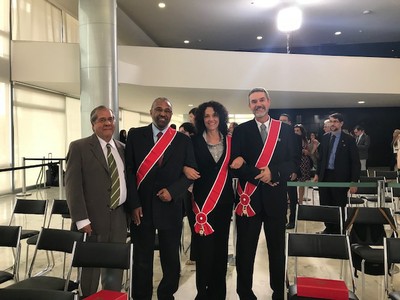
103, 143
266, 123
156, 130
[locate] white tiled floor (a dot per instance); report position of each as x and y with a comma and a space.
187, 289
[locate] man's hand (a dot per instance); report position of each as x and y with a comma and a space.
315, 179
191, 173
265, 175
293, 177
137, 215
353, 190
87, 229
164, 195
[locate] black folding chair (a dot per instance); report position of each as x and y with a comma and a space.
365, 227
57, 240
107, 255
29, 294
28, 208
323, 246
392, 257
10, 238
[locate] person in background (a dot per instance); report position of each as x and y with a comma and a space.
212, 200
292, 190
189, 129
192, 115
338, 162
96, 192
122, 136
268, 148
155, 156
363, 142
327, 126
395, 147
314, 144
305, 161
232, 127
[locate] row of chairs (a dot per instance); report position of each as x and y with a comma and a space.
364, 230
107, 255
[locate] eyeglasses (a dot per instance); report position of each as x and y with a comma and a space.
103, 120
159, 110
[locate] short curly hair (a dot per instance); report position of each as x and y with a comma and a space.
221, 112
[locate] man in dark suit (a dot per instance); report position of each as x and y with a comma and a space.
156, 186
338, 162
268, 149
89, 190
363, 142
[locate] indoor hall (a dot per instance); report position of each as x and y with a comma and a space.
187, 287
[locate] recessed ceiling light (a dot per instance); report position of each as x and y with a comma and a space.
190, 105
338, 33
259, 37
161, 5
361, 102
186, 41
367, 12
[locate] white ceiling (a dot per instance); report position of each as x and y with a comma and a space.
235, 24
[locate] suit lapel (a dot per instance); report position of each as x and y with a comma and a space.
97, 151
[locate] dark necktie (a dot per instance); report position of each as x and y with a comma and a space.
263, 132
112, 165
331, 142
159, 134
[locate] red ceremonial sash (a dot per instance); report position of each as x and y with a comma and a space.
202, 226
154, 155
244, 207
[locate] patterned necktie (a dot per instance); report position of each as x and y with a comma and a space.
263, 132
159, 134
112, 165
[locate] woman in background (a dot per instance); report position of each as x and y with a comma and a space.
305, 161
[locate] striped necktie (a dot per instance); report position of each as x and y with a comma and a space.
112, 165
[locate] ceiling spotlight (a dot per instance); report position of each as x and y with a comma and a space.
161, 5
190, 105
259, 37
361, 102
186, 41
367, 12
289, 19
338, 33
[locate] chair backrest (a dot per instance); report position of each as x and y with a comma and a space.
59, 240
108, 255
30, 207
369, 190
319, 213
332, 246
391, 256
34, 294
59, 207
10, 236
365, 225
389, 175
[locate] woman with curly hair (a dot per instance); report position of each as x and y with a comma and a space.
305, 162
212, 200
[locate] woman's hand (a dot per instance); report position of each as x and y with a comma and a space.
191, 173
237, 163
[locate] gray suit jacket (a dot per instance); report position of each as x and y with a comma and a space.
363, 146
88, 184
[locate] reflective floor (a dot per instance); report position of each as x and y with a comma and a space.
187, 289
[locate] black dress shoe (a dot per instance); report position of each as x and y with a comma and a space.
290, 225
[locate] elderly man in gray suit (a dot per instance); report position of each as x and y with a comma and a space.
96, 190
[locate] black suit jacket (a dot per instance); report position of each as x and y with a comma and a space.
248, 144
347, 160
209, 169
163, 215
363, 146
